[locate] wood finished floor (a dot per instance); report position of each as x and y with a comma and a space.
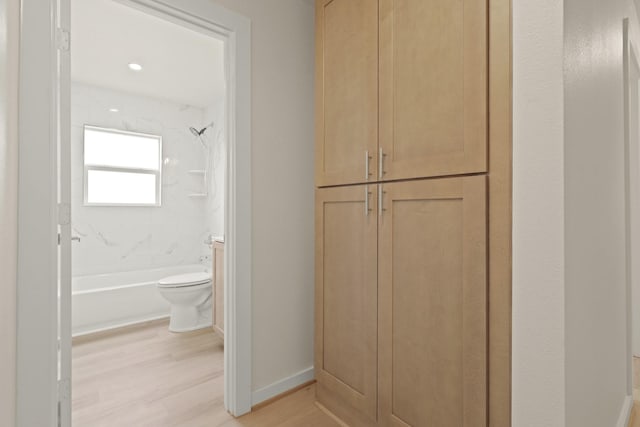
635, 415
634, 421
148, 376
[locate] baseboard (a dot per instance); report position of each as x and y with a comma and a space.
282, 386
102, 331
625, 412
280, 396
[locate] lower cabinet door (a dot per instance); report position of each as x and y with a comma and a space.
346, 302
433, 303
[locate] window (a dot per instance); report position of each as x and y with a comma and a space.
121, 168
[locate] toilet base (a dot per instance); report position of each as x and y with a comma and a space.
195, 328
189, 318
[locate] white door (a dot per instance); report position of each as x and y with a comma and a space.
63, 100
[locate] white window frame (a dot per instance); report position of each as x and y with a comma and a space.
157, 172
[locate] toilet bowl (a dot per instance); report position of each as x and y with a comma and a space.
190, 299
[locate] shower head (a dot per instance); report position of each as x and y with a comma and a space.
199, 133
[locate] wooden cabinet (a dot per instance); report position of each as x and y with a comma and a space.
433, 87
401, 302
346, 302
346, 91
402, 89
218, 287
432, 283
413, 169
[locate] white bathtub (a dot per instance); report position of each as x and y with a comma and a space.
105, 301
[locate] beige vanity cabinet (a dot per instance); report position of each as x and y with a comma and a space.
218, 287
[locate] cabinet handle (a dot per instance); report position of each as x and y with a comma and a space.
380, 194
367, 160
366, 200
381, 163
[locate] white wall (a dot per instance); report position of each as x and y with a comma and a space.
538, 215
283, 186
115, 239
595, 281
569, 290
9, 19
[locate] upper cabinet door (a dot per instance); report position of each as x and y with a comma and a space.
346, 91
433, 87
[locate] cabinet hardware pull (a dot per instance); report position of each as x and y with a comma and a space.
367, 169
380, 193
381, 163
366, 200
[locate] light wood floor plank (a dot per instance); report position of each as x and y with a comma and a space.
635, 415
634, 420
148, 376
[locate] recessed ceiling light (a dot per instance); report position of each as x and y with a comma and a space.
113, 110
135, 67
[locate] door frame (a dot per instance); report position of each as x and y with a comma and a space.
37, 307
631, 58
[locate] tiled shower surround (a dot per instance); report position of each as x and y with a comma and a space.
115, 239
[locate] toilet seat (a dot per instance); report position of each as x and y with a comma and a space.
185, 280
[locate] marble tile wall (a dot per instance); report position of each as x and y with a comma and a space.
115, 239
217, 149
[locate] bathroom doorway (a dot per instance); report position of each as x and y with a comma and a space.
148, 161
228, 133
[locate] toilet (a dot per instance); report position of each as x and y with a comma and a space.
190, 298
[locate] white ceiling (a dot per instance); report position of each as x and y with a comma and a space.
179, 64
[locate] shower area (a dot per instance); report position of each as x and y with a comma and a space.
148, 201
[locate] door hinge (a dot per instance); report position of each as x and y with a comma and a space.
64, 214
63, 39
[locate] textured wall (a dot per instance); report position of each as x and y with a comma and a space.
596, 298
569, 285
538, 215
